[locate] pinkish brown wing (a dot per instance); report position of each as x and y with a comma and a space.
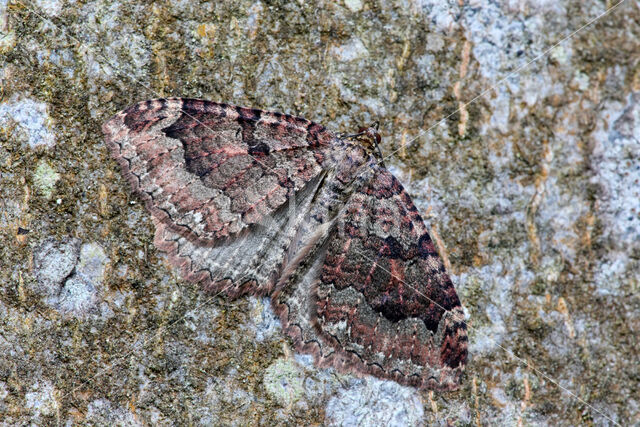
385, 304
208, 172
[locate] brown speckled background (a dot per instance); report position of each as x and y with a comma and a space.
533, 190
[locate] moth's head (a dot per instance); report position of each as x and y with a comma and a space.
369, 135
367, 138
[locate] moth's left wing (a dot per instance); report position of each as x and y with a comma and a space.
381, 301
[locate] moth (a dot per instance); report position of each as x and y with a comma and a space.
246, 201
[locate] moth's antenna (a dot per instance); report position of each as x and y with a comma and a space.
354, 135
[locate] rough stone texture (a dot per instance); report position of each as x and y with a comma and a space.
530, 188
263, 320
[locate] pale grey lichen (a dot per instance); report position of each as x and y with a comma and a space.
49, 7
353, 5
54, 261
111, 49
223, 393
92, 263
618, 150
4, 392
264, 321
103, 412
70, 275
81, 293
27, 120
43, 400
77, 296
374, 402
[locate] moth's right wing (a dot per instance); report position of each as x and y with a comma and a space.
376, 298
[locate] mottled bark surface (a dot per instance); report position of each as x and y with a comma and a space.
526, 173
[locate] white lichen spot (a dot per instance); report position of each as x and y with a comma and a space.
355, 49
496, 281
45, 178
50, 7
253, 19
53, 262
102, 412
581, 80
4, 391
266, 322
372, 401
81, 292
502, 39
42, 400
27, 121
113, 49
353, 5
616, 158
560, 54
501, 109
77, 297
442, 14
7, 42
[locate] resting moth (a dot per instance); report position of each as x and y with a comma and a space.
246, 201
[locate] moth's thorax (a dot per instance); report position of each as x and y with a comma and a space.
349, 154
343, 164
